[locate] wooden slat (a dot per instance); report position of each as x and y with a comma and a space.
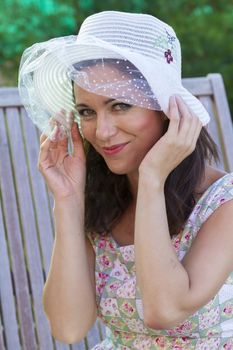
9, 97
39, 192
198, 86
40, 198
61, 346
29, 232
15, 243
224, 119
212, 128
79, 346
8, 317
93, 336
2, 345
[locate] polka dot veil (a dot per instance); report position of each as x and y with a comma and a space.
115, 78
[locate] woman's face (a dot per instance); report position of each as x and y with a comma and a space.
121, 133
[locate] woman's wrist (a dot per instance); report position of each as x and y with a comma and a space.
74, 199
72, 206
151, 178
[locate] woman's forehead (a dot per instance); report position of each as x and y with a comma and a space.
118, 80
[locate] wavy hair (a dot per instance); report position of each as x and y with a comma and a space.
108, 195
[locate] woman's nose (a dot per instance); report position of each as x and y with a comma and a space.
105, 127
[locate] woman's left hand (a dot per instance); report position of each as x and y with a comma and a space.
176, 144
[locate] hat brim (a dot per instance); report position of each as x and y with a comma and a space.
50, 85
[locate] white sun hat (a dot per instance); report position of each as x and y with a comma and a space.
135, 58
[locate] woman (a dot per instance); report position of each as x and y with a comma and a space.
141, 218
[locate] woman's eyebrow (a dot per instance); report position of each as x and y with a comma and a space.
105, 102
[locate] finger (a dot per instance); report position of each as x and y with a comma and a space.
44, 150
64, 119
43, 137
174, 117
54, 137
77, 139
183, 108
63, 143
197, 130
188, 120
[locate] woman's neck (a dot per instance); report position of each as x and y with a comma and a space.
133, 181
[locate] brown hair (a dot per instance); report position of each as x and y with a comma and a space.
108, 195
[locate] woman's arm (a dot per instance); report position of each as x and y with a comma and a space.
172, 290
69, 292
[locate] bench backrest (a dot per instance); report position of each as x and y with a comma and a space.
26, 223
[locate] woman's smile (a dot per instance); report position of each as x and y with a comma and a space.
121, 133
115, 149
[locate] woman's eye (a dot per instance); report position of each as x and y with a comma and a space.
86, 112
121, 106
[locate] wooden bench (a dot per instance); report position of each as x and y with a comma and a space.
26, 223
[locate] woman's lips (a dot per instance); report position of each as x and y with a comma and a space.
114, 149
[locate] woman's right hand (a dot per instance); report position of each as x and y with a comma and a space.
64, 174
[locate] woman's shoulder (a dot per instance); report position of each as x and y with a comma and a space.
218, 183
217, 189
211, 177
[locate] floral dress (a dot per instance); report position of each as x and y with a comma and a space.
119, 302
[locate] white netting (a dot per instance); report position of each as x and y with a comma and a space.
97, 59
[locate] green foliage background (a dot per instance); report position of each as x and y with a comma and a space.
205, 29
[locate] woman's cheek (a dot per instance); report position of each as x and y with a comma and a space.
86, 130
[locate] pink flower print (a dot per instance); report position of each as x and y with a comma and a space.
160, 342
168, 55
184, 328
119, 271
176, 243
228, 309
127, 290
102, 243
228, 345
113, 286
187, 236
100, 281
116, 322
100, 288
128, 253
179, 343
128, 308
111, 245
209, 319
102, 275
104, 261
142, 342
136, 325
127, 336
211, 343
109, 307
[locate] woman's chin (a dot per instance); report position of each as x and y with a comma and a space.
121, 170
